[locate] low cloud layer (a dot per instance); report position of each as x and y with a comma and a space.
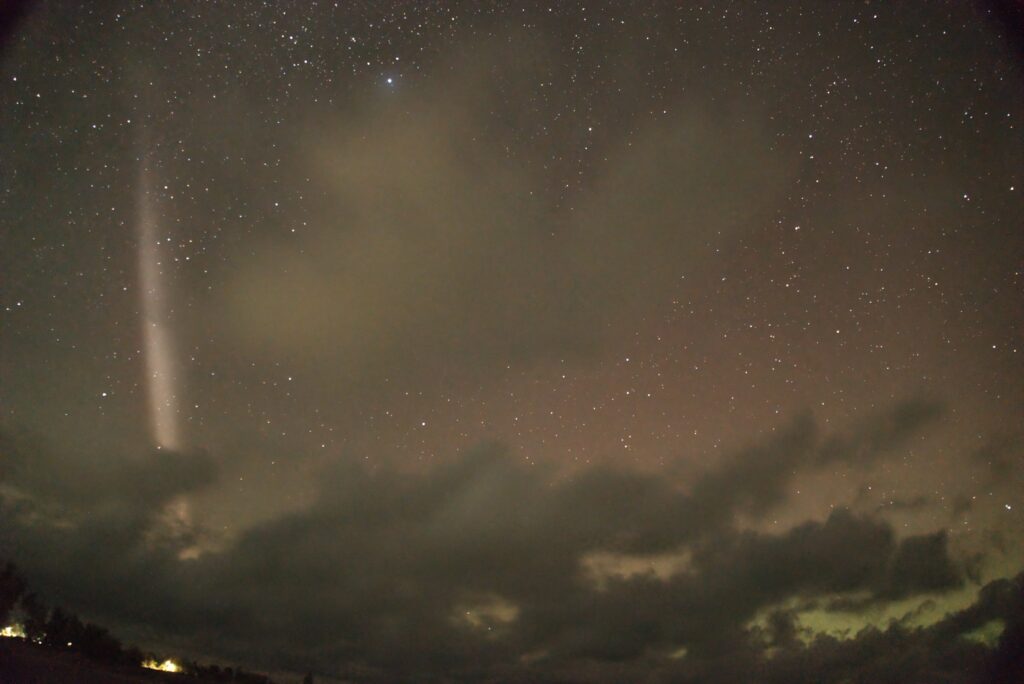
479, 568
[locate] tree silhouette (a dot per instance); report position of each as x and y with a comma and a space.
35, 615
97, 643
12, 586
61, 629
132, 656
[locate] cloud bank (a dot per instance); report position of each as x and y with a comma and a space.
482, 569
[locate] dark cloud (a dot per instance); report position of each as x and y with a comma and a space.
141, 482
921, 564
939, 652
478, 567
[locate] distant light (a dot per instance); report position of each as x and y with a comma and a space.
13, 631
390, 80
166, 666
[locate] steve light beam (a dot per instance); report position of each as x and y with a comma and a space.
159, 348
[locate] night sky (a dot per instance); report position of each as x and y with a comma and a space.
501, 341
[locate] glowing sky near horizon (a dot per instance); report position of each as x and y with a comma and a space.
159, 348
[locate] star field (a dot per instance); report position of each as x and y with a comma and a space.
681, 295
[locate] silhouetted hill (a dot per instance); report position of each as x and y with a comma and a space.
22, 662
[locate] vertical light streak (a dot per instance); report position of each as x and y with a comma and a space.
159, 348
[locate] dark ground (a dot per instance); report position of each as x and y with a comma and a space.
25, 663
